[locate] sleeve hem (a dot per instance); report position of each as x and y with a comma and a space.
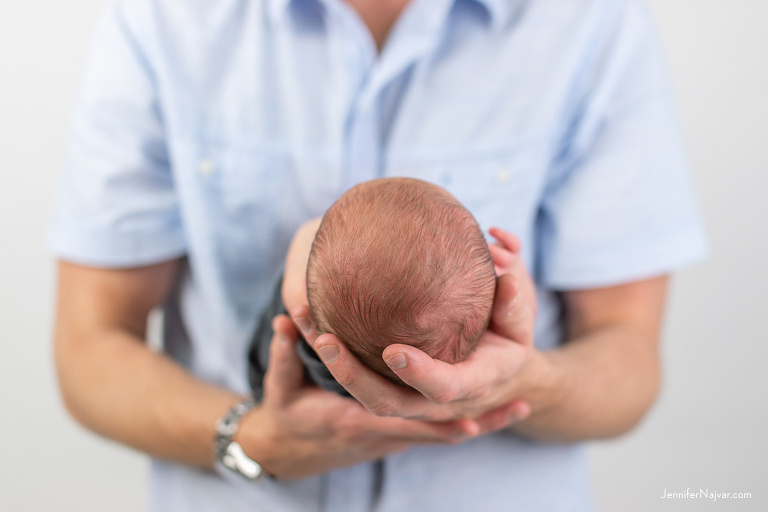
117, 251
649, 257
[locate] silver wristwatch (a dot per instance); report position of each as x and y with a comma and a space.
227, 452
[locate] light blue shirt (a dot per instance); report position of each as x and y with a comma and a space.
213, 128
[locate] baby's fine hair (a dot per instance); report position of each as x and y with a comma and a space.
399, 260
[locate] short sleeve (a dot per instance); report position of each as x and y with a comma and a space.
618, 205
117, 205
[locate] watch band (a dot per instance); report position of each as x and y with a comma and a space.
229, 453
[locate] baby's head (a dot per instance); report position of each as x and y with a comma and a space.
399, 260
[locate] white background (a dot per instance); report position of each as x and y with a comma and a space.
709, 428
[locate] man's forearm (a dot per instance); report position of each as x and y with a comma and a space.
596, 386
114, 385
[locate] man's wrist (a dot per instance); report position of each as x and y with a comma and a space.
543, 385
229, 456
255, 435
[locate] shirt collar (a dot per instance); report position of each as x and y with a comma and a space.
499, 10
276, 9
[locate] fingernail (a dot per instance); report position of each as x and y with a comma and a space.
397, 362
517, 417
513, 306
471, 429
304, 323
328, 353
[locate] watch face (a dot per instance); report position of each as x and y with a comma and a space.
229, 452
235, 459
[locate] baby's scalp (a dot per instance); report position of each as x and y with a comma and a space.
399, 260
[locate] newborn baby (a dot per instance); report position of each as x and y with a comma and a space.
394, 260
399, 260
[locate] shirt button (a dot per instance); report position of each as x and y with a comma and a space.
502, 177
206, 167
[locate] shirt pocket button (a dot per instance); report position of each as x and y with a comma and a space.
206, 167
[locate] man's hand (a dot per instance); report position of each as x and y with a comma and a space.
482, 384
301, 430
472, 388
598, 384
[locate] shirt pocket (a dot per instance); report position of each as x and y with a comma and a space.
500, 189
233, 196
242, 182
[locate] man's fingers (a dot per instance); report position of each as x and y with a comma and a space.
506, 239
511, 317
504, 416
285, 372
302, 318
518, 410
377, 394
501, 257
444, 383
494, 420
436, 380
418, 431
